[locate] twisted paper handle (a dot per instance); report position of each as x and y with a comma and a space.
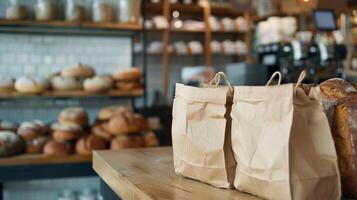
272, 78
217, 79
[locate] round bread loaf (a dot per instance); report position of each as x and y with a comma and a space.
28, 85
102, 132
6, 85
56, 148
120, 142
336, 88
98, 84
133, 74
30, 130
10, 144
78, 71
107, 112
127, 86
122, 124
87, 144
36, 145
66, 132
73, 115
65, 83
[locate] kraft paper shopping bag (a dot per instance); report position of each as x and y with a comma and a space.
282, 143
201, 133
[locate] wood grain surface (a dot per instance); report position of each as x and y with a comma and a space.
28, 159
149, 174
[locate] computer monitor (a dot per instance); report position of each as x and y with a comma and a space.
325, 20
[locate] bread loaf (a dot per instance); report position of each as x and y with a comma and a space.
73, 115
344, 130
10, 144
133, 74
98, 84
65, 83
78, 71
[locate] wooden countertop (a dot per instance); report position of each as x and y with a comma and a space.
149, 174
27, 159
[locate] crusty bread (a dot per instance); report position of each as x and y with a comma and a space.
127, 86
100, 131
65, 83
78, 71
87, 144
126, 123
336, 88
133, 74
56, 148
344, 131
98, 84
107, 112
10, 144
73, 115
30, 86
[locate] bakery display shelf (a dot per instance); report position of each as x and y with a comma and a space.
29, 26
35, 159
200, 54
224, 9
59, 94
183, 8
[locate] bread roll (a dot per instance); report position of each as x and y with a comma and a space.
65, 83
56, 148
98, 84
78, 71
87, 144
133, 74
30, 130
107, 112
120, 142
102, 132
28, 85
123, 124
10, 144
127, 86
66, 132
74, 115
36, 145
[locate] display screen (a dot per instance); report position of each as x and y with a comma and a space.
325, 20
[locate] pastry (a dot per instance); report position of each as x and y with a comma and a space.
107, 112
344, 131
8, 126
10, 144
6, 85
126, 123
56, 148
100, 131
98, 84
150, 139
127, 86
133, 74
65, 83
86, 144
66, 132
30, 130
30, 86
73, 115
36, 145
78, 71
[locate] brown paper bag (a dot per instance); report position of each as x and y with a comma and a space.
201, 133
282, 144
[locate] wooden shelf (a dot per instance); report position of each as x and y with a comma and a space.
64, 24
27, 159
59, 94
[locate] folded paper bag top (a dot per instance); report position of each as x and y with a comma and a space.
201, 133
282, 143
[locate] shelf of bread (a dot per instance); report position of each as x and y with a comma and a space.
33, 159
75, 93
72, 137
65, 24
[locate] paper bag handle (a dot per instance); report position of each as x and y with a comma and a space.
300, 79
272, 78
217, 79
